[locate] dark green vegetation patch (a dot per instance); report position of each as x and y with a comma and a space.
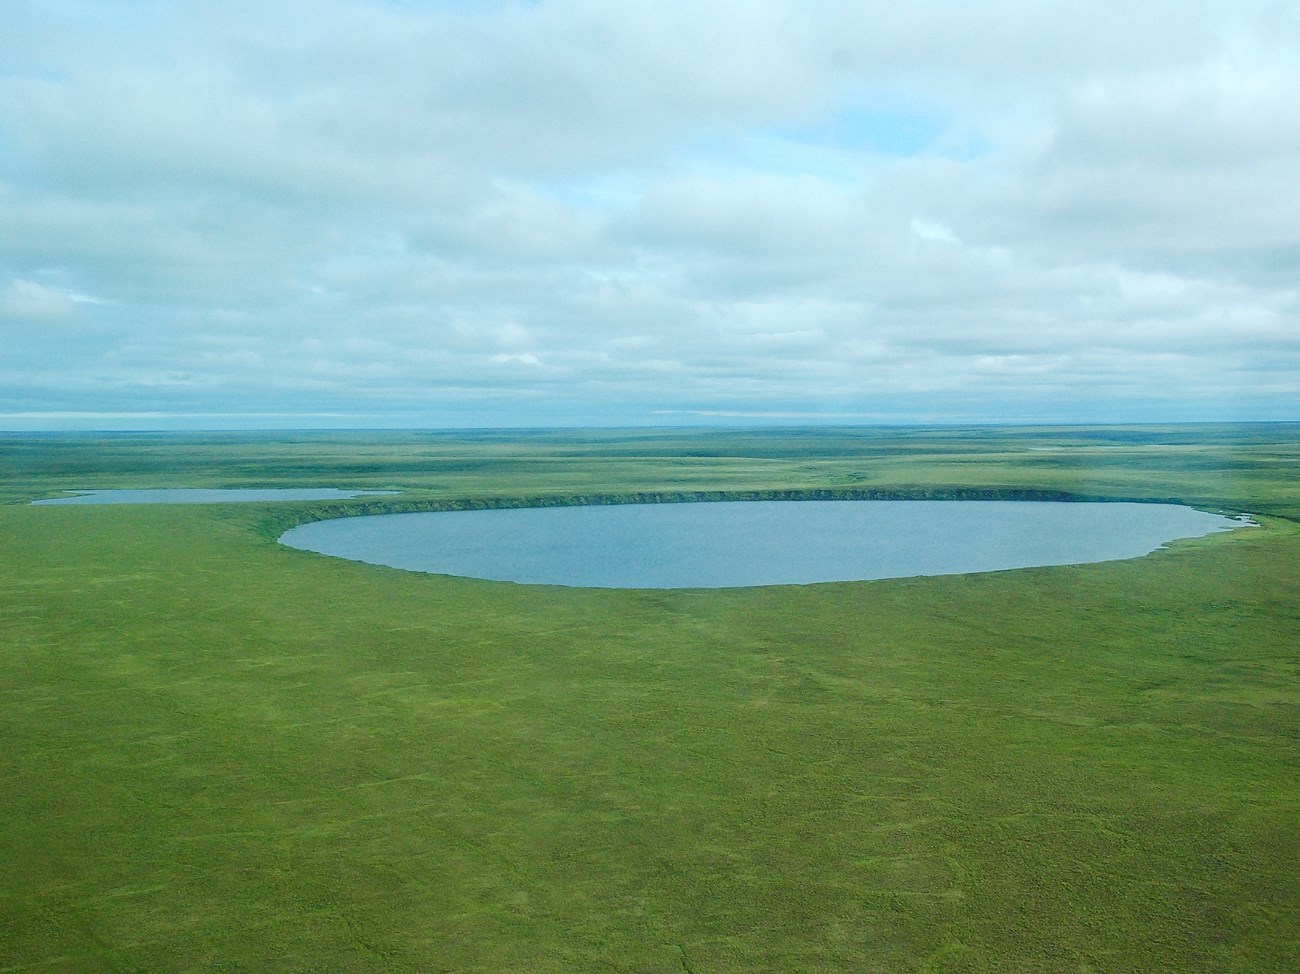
219, 754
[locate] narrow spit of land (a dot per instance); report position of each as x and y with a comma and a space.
222, 754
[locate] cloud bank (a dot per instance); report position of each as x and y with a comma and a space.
356, 212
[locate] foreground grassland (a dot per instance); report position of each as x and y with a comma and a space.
219, 754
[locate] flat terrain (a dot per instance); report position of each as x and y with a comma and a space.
220, 754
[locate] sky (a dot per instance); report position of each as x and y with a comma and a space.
486, 213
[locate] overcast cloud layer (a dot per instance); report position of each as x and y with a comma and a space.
368, 213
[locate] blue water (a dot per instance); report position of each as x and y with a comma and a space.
736, 544
193, 495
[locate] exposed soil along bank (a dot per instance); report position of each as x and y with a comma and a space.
276, 523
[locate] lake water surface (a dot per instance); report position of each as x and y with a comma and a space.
737, 544
195, 495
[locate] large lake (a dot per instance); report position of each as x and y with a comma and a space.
737, 544
201, 495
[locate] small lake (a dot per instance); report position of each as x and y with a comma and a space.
195, 495
740, 544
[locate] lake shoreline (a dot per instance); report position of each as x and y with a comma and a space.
742, 544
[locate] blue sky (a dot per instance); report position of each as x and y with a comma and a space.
356, 213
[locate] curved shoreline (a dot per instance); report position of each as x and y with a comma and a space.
277, 522
744, 544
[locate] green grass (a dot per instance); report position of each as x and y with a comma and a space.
220, 754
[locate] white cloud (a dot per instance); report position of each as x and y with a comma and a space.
29, 300
521, 358
754, 208
936, 232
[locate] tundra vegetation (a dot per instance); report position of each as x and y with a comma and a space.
222, 754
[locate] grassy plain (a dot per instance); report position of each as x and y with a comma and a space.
219, 754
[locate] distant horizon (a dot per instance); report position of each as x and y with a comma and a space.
721, 427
